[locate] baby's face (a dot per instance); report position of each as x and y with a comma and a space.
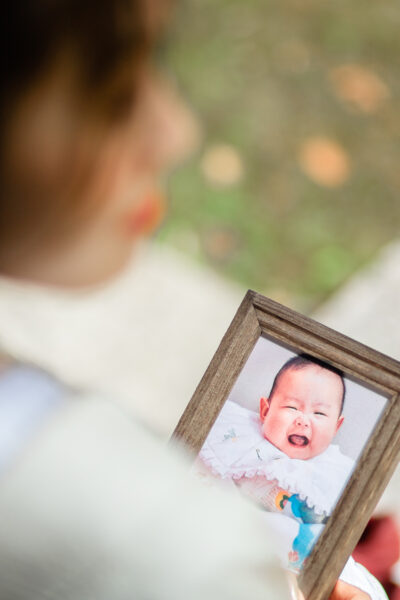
303, 415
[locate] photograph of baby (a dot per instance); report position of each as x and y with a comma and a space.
288, 437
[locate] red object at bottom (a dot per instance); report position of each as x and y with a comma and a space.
378, 550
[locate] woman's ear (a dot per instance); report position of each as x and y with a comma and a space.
264, 406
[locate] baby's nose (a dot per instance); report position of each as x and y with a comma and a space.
302, 419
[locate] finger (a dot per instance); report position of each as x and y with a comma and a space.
345, 591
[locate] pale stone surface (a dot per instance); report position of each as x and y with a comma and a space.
368, 307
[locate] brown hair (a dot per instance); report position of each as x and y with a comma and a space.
302, 361
107, 43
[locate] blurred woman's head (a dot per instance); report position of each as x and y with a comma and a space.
87, 128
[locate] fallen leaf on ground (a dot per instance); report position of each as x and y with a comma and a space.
324, 161
220, 243
222, 165
359, 86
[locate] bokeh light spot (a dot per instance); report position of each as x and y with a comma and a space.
360, 87
222, 165
324, 161
220, 244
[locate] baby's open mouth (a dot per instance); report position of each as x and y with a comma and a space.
298, 440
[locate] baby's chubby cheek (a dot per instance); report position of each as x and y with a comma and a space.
275, 434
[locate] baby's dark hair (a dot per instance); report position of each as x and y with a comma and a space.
304, 360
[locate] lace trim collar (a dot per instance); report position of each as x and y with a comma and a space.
236, 448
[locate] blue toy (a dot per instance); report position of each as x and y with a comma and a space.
310, 526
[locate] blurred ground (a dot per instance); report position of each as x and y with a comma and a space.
294, 193
296, 185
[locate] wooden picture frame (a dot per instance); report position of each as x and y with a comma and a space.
259, 316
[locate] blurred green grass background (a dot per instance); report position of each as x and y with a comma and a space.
264, 79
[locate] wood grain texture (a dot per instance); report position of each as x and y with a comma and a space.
274, 317
218, 380
257, 316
